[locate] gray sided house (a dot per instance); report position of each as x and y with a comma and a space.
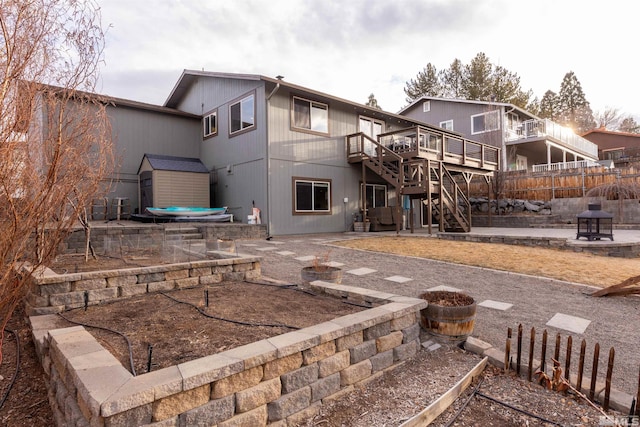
173, 181
306, 159
139, 128
526, 141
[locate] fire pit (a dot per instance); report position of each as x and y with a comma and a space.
595, 223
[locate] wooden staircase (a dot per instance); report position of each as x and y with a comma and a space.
419, 178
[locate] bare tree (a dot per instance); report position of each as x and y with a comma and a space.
609, 118
55, 146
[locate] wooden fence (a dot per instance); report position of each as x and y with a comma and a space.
559, 378
556, 184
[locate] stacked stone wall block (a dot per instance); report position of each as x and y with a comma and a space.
119, 281
377, 331
294, 380
200, 271
388, 342
333, 364
237, 382
349, 341
137, 416
258, 395
161, 286
325, 387
234, 276
406, 351
289, 404
132, 290
177, 274
211, 279
319, 352
275, 368
363, 351
355, 373
255, 417
190, 282
181, 402
403, 322
411, 333
151, 277
210, 413
382, 360
224, 269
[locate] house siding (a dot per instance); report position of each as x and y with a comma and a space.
239, 161
136, 132
173, 188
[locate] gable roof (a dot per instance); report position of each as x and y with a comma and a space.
189, 76
176, 164
604, 131
467, 101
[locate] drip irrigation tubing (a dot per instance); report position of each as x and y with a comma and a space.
237, 322
476, 392
522, 411
15, 374
133, 369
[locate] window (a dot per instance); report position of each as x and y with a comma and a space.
447, 124
312, 196
371, 127
513, 121
485, 122
426, 106
310, 115
210, 124
376, 195
242, 115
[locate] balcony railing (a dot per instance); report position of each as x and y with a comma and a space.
549, 167
424, 142
547, 128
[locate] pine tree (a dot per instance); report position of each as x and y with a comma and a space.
373, 102
451, 80
549, 106
574, 109
425, 84
478, 80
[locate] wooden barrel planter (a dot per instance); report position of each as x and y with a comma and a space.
450, 315
324, 273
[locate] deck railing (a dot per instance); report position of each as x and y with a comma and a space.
428, 143
577, 164
542, 128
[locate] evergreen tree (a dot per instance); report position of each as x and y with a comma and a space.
373, 102
425, 84
452, 80
574, 109
549, 107
478, 80
477, 83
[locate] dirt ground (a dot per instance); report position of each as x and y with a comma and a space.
431, 372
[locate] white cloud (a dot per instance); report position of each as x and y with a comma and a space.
351, 49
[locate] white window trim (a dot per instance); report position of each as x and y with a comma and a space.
240, 101
373, 192
312, 103
496, 113
207, 120
313, 182
445, 122
373, 121
426, 106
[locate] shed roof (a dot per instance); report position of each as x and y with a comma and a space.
173, 163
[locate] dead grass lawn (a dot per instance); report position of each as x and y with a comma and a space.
574, 267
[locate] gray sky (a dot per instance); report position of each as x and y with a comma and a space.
353, 48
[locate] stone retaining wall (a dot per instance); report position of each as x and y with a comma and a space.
142, 235
51, 293
602, 248
278, 381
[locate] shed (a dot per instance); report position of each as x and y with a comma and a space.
172, 181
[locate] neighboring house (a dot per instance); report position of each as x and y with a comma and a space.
621, 148
527, 142
305, 158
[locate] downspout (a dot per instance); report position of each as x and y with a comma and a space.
268, 159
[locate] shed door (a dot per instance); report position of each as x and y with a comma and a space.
146, 190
